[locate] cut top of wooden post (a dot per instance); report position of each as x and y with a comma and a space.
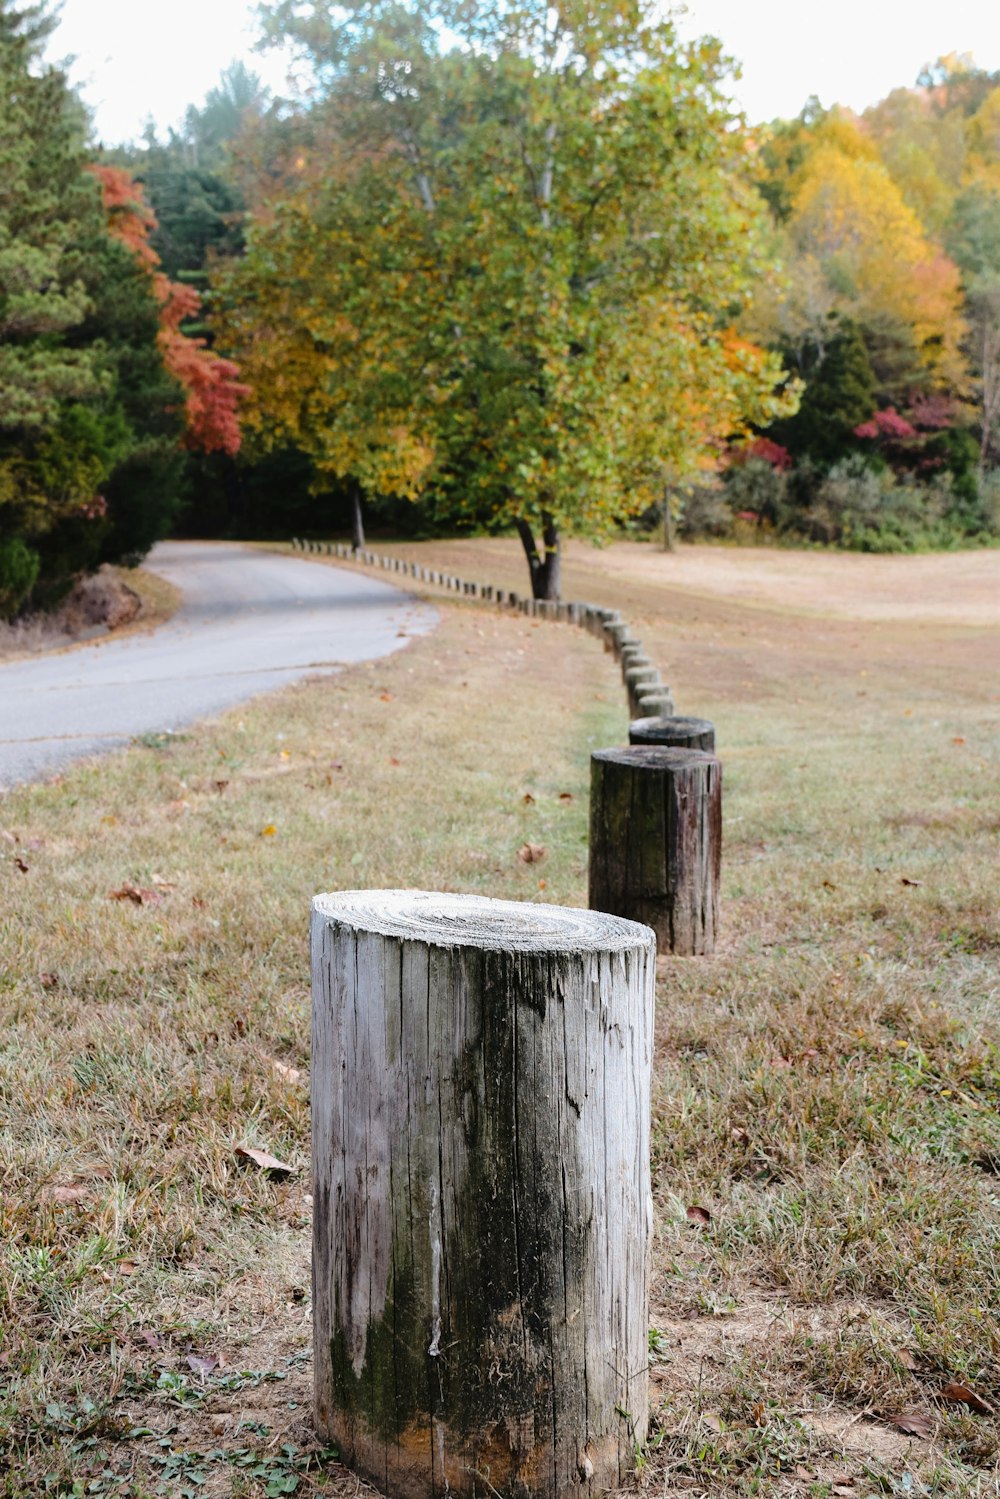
675, 732
447, 920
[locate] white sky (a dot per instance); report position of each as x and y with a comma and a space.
135, 60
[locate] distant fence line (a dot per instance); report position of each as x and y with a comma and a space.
651, 695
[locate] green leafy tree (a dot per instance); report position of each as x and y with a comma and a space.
504, 271
88, 417
839, 395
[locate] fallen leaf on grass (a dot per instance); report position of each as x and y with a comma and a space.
220, 786
336, 764
829, 885
48, 980
152, 1340
698, 1214
958, 739
269, 831
290, 1074
740, 1136
565, 796
65, 1196
385, 697
905, 880
20, 864
907, 1359
202, 1366
139, 895
528, 799
393, 760
846, 1489
913, 1423
532, 853
265, 1161
960, 1394
712, 1420
284, 754
806, 1475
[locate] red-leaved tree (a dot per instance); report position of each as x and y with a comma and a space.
212, 390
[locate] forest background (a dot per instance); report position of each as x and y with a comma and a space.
495, 268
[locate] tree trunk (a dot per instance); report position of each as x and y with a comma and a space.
656, 842
357, 520
674, 733
545, 570
481, 1103
668, 521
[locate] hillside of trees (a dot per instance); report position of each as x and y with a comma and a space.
537, 277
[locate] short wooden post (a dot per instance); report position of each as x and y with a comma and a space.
636, 678
656, 842
633, 653
674, 732
616, 636
481, 1224
655, 702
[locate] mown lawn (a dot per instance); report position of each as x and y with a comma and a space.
826, 1086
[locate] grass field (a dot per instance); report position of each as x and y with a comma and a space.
826, 1086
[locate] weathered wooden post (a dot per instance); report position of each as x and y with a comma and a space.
633, 653
674, 732
482, 1215
637, 677
616, 634
655, 702
656, 842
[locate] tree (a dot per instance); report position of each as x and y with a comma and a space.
76, 324
212, 393
502, 261
839, 396
889, 278
91, 415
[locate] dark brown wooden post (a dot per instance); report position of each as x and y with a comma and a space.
481, 1076
674, 732
656, 842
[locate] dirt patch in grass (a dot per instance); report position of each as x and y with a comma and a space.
827, 1087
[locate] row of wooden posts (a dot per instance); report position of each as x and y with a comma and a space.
655, 807
481, 1101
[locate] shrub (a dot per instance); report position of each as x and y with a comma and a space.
865, 509
757, 487
706, 512
18, 572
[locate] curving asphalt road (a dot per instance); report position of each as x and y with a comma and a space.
250, 621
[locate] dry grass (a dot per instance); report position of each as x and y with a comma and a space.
827, 1085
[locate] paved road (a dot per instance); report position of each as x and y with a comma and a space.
250, 621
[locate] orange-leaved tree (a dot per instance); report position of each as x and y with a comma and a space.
212, 391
